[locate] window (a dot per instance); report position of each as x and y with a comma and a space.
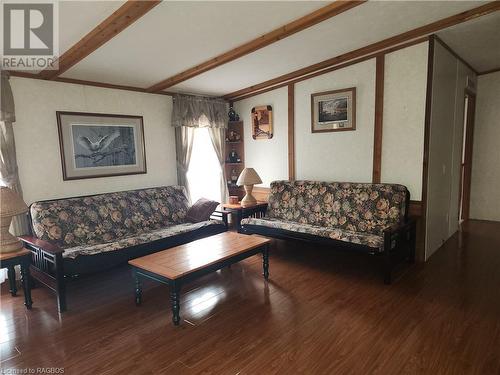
204, 172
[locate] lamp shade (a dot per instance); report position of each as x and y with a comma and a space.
11, 203
248, 177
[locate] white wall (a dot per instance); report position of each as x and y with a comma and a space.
405, 83
269, 157
485, 189
336, 156
37, 141
348, 156
445, 147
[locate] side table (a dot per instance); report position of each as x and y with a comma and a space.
239, 212
23, 258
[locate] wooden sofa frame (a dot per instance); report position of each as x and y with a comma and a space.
47, 266
397, 238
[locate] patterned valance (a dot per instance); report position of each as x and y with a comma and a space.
199, 112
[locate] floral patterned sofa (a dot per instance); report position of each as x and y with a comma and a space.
359, 216
74, 236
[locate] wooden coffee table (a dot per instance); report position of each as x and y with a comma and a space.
184, 263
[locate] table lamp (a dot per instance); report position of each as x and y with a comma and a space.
11, 205
248, 178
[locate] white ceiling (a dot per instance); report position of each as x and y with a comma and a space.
177, 35
476, 41
358, 27
77, 18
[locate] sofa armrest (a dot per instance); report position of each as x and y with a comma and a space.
254, 211
403, 231
46, 246
401, 226
220, 215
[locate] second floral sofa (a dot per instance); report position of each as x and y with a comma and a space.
359, 216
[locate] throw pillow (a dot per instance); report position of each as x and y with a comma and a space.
201, 210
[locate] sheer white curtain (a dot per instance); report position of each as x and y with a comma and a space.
184, 137
218, 138
204, 173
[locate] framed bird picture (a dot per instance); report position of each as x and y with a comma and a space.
100, 145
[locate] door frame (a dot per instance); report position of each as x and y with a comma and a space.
466, 156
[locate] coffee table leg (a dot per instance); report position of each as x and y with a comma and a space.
265, 261
174, 301
138, 289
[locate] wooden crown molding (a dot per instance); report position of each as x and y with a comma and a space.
282, 32
21, 74
371, 48
123, 17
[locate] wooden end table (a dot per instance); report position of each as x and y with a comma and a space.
184, 263
22, 258
239, 212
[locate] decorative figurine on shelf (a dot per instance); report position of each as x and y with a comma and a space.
234, 176
233, 157
233, 136
233, 116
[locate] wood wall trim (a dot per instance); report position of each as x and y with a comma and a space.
16, 73
302, 23
427, 129
450, 50
336, 67
379, 115
291, 131
119, 20
415, 209
489, 71
386, 43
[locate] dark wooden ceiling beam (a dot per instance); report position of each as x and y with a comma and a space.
282, 32
123, 17
374, 47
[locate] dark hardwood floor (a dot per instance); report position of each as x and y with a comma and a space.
322, 312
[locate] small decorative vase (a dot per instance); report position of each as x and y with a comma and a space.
233, 116
233, 157
234, 176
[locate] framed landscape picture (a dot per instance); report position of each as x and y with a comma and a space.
262, 122
100, 145
333, 110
